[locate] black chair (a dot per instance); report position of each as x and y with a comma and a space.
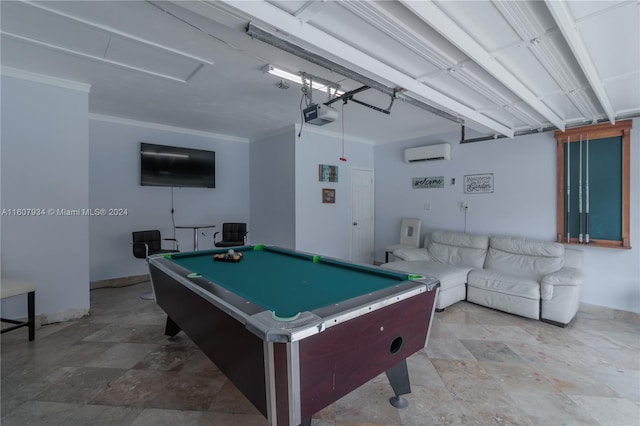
147, 243
233, 234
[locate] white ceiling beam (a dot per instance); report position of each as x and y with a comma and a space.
111, 30
395, 28
551, 57
433, 16
95, 58
309, 10
307, 35
562, 15
376, 14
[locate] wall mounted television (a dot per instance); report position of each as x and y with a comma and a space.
162, 165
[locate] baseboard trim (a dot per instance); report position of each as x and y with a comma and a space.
69, 314
119, 282
605, 312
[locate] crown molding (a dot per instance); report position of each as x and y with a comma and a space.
44, 79
164, 127
307, 128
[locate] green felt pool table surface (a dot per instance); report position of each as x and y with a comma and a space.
288, 282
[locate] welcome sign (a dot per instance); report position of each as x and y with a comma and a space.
478, 184
428, 182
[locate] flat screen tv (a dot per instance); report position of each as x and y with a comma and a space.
162, 165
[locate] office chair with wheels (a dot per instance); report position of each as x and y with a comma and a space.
233, 234
147, 243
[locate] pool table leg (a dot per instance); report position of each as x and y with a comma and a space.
398, 376
171, 328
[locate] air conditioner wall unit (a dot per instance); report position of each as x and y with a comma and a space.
428, 153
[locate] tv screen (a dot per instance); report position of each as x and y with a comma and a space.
173, 166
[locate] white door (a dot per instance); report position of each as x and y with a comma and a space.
362, 205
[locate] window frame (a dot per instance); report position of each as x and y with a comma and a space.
597, 131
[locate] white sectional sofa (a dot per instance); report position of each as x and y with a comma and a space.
447, 256
527, 277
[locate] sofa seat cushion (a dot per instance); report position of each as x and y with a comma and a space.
500, 282
455, 248
448, 275
524, 257
412, 254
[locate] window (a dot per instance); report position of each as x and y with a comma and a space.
593, 185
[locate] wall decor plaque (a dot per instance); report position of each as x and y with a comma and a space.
428, 182
478, 184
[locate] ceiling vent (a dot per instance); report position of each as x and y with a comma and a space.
428, 153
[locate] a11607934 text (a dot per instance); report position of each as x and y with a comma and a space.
63, 212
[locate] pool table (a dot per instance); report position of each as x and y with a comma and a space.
294, 331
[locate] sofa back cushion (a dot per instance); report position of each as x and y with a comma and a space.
524, 257
455, 248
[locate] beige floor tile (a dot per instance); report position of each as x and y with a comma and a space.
609, 411
448, 349
552, 409
480, 367
122, 355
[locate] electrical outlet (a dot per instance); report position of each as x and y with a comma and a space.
464, 207
427, 206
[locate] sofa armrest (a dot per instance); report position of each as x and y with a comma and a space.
563, 277
412, 254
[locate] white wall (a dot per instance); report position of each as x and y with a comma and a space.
524, 203
273, 214
286, 195
521, 204
53, 156
326, 228
45, 165
114, 167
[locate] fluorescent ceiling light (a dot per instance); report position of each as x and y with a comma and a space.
283, 74
297, 78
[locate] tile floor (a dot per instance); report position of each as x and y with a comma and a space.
481, 367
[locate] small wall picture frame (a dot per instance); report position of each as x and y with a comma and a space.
327, 173
328, 196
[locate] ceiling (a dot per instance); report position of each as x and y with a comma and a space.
502, 68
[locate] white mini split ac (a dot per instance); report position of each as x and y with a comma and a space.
428, 153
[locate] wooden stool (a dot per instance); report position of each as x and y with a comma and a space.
10, 287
